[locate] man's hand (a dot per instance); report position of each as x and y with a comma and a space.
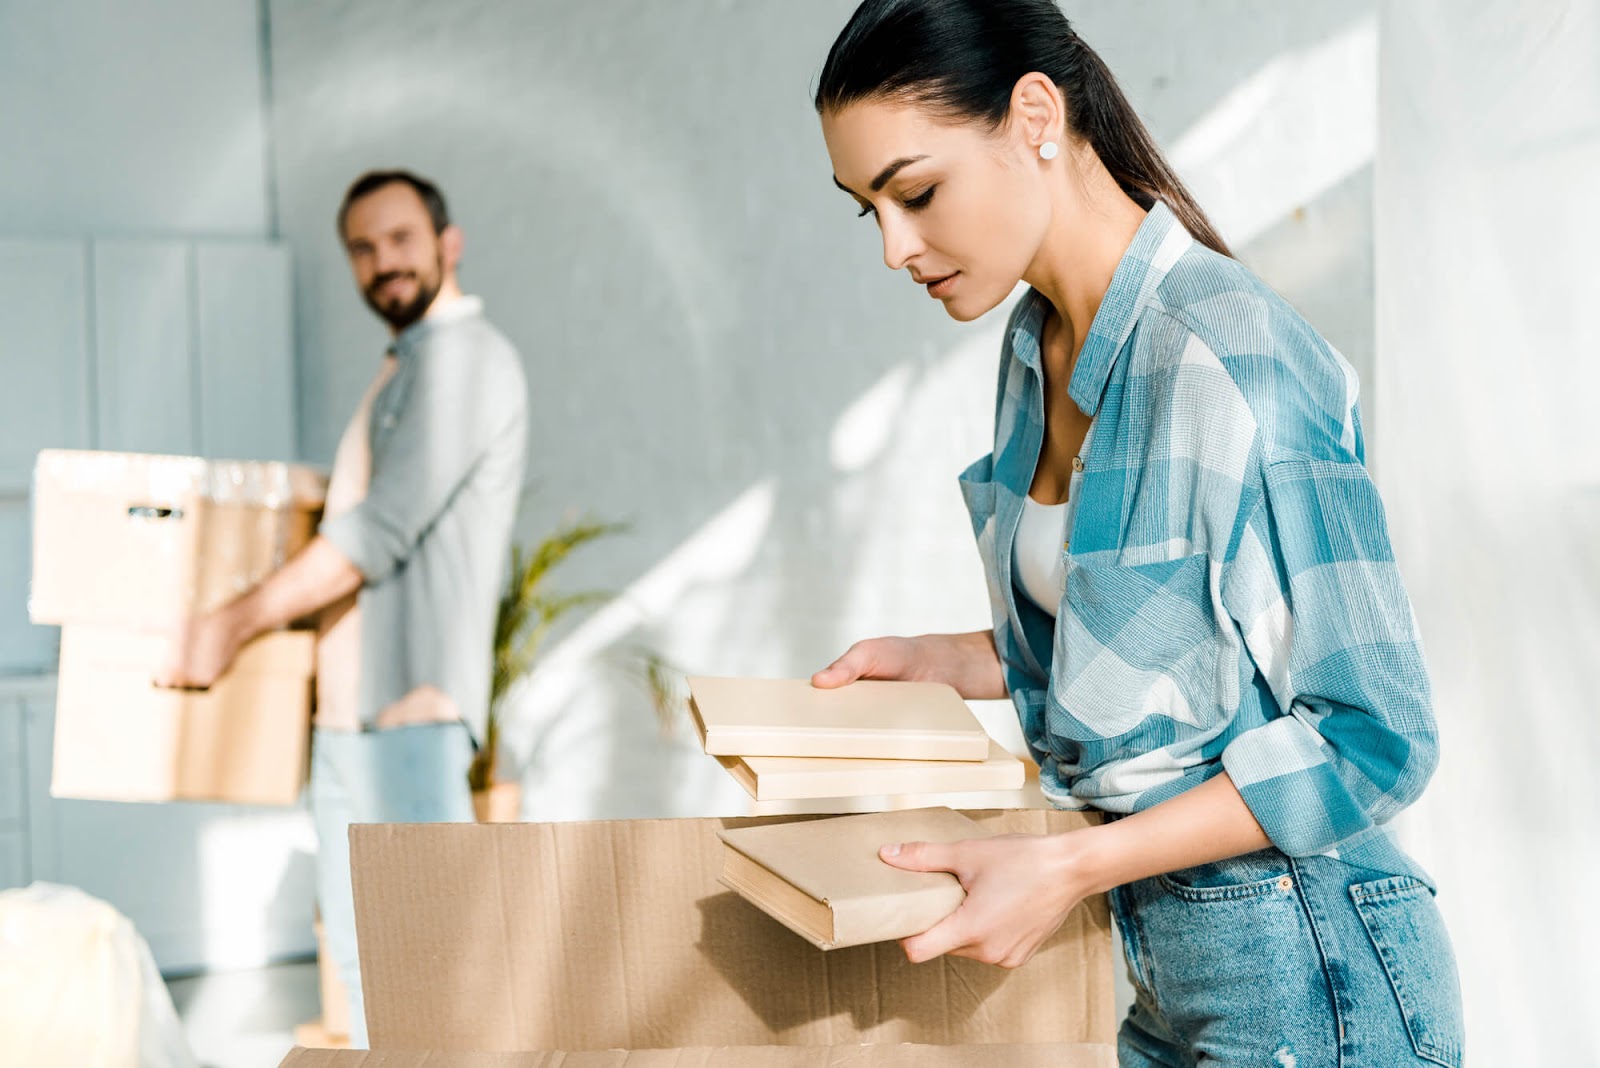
200, 650
1020, 887
967, 662
204, 647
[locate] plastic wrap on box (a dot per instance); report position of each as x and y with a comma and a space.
78, 986
141, 541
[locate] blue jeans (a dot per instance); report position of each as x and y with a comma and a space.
1286, 963
412, 774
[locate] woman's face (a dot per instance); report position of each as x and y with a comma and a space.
961, 208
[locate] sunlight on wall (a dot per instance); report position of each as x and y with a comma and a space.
717, 553
577, 733
1281, 138
863, 431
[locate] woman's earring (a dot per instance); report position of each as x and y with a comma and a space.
1048, 150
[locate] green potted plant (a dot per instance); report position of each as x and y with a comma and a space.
527, 612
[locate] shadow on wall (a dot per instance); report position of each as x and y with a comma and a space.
714, 351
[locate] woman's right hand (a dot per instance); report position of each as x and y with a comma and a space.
967, 662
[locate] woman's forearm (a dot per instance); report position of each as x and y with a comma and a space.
980, 677
1208, 823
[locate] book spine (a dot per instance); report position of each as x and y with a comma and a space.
799, 785
882, 918
882, 745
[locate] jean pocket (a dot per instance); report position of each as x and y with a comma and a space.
1410, 938
1238, 878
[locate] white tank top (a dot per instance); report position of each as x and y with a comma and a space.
1038, 567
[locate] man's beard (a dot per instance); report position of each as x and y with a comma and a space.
400, 316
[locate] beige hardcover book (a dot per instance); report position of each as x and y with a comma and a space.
869, 719
824, 881
797, 778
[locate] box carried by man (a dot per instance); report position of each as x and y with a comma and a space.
126, 547
142, 542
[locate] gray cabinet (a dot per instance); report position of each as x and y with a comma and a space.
152, 346
14, 868
139, 345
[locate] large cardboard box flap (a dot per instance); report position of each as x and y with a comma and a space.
617, 935
118, 737
1041, 1055
140, 541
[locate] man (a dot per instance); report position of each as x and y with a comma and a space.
404, 575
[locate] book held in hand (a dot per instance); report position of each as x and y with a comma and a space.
823, 879
797, 778
869, 718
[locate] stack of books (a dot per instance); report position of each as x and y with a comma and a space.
784, 739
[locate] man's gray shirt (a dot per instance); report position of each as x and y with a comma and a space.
432, 538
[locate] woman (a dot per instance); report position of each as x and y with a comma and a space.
1196, 608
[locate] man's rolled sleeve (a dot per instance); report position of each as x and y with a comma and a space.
350, 533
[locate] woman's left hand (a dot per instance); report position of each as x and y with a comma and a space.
1020, 887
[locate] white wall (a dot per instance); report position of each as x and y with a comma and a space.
1489, 159
714, 349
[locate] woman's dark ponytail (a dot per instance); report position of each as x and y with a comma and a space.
963, 58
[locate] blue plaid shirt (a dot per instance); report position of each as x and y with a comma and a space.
1232, 601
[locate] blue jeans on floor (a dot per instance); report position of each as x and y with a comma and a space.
1265, 960
414, 774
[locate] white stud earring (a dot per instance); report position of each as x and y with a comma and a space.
1048, 150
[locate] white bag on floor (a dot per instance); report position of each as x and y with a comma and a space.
78, 986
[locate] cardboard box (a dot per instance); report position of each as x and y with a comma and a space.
618, 936
140, 542
118, 737
1045, 1055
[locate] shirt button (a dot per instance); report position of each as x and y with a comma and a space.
1077, 463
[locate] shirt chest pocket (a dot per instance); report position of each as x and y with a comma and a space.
1138, 646
978, 491
386, 407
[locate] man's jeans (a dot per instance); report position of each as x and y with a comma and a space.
412, 774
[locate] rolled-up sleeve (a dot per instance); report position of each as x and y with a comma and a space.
456, 405
1317, 596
